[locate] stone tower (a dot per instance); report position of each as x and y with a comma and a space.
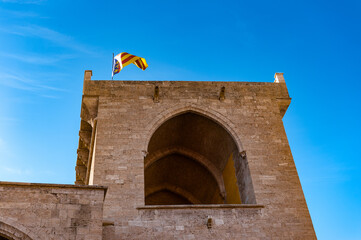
170, 160
191, 160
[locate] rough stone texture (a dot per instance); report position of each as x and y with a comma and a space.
51, 211
129, 112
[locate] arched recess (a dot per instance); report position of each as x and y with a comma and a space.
160, 154
181, 108
11, 230
186, 196
193, 159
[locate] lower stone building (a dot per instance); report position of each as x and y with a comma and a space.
170, 160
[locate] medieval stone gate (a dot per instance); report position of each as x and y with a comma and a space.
179, 160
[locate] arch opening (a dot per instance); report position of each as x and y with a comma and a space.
2, 237
10, 231
192, 159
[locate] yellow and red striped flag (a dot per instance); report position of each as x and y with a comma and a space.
124, 59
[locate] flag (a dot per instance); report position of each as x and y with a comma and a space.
124, 59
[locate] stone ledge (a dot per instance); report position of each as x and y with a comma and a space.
180, 81
220, 206
53, 185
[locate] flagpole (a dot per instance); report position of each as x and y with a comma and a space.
112, 66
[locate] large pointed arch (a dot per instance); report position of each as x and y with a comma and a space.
179, 109
12, 230
196, 150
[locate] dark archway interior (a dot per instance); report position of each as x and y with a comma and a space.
191, 160
4, 238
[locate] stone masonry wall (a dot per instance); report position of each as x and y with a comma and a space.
251, 113
51, 211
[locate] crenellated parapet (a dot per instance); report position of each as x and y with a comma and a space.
88, 115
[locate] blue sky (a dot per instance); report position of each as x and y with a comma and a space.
45, 46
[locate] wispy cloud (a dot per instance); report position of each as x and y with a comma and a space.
18, 14
37, 2
48, 34
13, 81
24, 83
51, 88
49, 96
38, 59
